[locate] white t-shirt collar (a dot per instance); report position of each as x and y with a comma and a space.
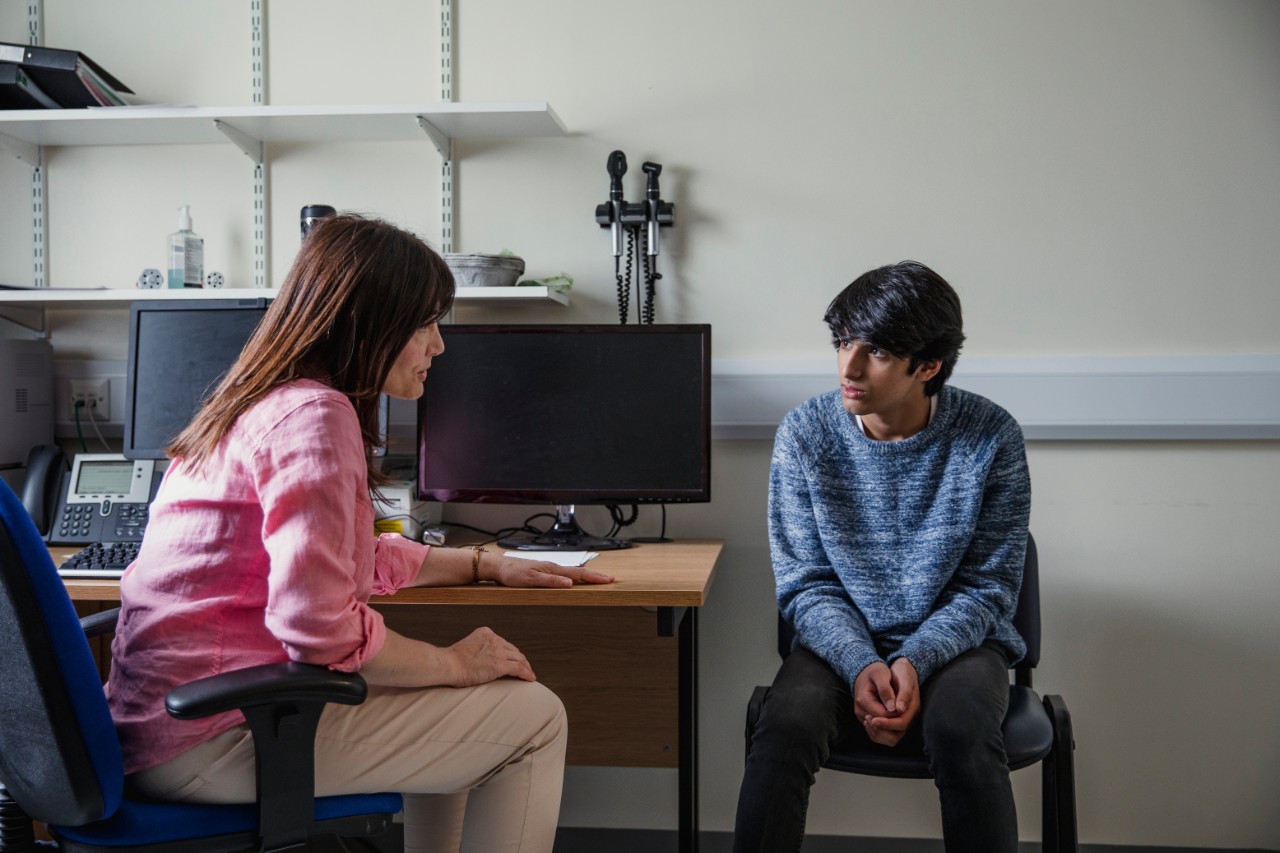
933, 410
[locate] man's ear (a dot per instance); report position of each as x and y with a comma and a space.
926, 370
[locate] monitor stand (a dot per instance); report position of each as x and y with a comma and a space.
564, 535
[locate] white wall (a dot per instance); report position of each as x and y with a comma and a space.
1095, 178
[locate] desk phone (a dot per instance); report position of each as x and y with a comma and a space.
104, 498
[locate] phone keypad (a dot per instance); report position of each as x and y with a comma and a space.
75, 520
131, 521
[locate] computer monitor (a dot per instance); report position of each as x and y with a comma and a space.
567, 415
178, 352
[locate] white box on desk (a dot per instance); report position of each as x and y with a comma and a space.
400, 511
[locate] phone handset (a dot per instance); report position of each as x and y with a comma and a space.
46, 464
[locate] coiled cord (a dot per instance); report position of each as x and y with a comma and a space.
624, 282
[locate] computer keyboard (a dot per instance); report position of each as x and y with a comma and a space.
100, 560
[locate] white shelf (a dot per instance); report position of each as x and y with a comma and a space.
121, 297
145, 125
500, 295
109, 297
23, 133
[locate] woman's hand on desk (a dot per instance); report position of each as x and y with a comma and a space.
454, 567
517, 571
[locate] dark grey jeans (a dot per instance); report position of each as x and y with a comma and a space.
809, 709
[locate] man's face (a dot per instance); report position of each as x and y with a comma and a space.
876, 383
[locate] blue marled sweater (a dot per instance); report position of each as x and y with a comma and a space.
885, 549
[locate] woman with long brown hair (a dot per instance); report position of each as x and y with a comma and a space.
260, 548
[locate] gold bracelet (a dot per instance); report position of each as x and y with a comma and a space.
475, 563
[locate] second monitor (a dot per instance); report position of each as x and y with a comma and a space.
567, 415
178, 353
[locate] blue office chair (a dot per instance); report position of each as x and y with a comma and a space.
1035, 730
60, 760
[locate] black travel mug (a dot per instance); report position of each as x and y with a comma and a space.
313, 212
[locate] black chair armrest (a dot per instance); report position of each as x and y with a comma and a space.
268, 684
282, 703
98, 624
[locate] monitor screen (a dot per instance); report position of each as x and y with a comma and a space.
567, 414
178, 352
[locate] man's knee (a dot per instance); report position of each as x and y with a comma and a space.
795, 721
964, 750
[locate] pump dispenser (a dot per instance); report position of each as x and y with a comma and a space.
186, 253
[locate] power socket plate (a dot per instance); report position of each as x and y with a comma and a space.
96, 394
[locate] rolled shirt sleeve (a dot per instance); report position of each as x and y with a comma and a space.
317, 528
265, 553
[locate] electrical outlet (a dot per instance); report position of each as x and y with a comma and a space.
96, 394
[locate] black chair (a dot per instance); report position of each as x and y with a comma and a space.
1035, 730
60, 760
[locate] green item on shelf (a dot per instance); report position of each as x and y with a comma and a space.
564, 281
561, 282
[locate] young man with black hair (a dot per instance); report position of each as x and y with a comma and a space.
898, 510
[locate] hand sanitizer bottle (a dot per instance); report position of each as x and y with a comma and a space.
186, 253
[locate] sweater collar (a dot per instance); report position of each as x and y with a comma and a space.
933, 410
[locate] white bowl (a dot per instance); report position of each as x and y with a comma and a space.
485, 270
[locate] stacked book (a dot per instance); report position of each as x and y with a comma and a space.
33, 77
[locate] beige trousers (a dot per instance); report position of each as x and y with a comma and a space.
481, 768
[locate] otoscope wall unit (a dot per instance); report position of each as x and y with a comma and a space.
643, 219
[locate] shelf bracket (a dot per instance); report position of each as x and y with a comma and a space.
256, 151
31, 319
253, 148
23, 150
442, 140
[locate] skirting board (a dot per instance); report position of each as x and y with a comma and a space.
571, 840
1218, 397
576, 840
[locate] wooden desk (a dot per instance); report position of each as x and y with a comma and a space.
607, 651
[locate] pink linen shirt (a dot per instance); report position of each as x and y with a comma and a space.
265, 554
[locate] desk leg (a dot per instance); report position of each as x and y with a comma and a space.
688, 691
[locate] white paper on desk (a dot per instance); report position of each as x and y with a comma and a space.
560, 558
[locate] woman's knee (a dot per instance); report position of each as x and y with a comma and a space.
542, 710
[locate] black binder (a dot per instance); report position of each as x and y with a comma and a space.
19, 92
67, 76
